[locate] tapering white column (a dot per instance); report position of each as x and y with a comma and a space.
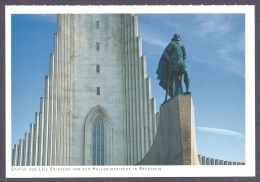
145, 118
141, 100
41, 133
131, 62
36, 138
12, 156
135, 89
57, 99
46, 122
50, 120
15, 155
26, 149
154, 123
149, 113
31, 145
55, 88
20, 161
58, 53
126, 94
127, 90
61, 55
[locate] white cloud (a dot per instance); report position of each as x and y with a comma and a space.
157, 30
219, 131
230, 63
155, 41
214, 24
232, 56
151, 38
227, 47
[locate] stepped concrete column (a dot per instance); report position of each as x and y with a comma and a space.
216, 162
31, 145
175, 142
207, 161
26, 149
212, 161
221, 162
20, 161
15, 155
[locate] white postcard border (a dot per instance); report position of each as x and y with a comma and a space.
141, 171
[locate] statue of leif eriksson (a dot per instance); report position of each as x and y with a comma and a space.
172, 67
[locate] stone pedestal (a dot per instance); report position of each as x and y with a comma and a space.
175, 142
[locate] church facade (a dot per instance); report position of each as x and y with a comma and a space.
97, 108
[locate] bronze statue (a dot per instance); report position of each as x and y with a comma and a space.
172, 67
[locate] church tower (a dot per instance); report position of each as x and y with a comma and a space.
97, 108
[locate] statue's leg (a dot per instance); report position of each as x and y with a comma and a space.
177, 84
180, 87
186, 80
171, 85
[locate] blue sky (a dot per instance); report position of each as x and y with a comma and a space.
215, 45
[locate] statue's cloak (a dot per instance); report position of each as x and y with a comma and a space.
164, 68
163, 72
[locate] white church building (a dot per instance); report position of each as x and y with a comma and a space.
97, 108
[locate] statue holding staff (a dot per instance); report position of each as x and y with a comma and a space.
172, 68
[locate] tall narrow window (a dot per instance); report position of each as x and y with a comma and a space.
98, 90
97, 24
98, 135
97, 46
98, 68
98, 149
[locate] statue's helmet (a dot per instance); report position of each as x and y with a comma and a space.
176, 37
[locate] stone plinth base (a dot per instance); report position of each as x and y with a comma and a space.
175, 142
